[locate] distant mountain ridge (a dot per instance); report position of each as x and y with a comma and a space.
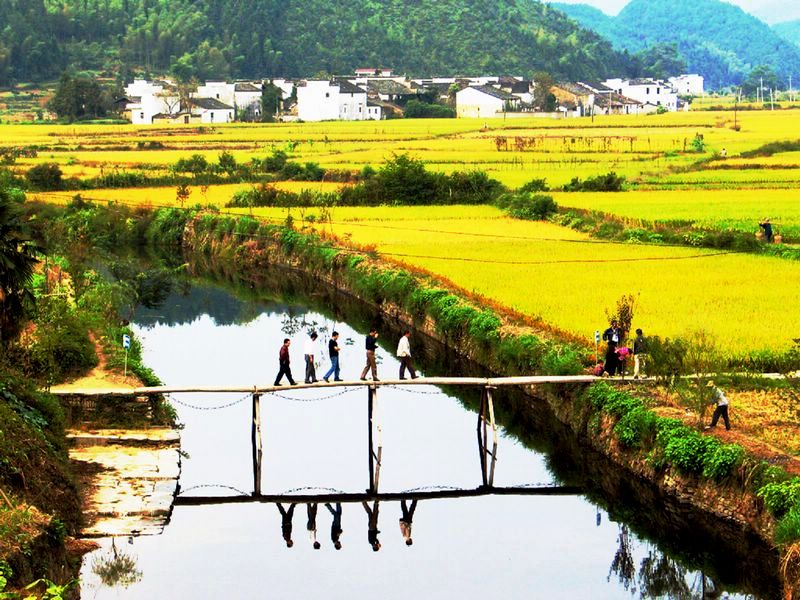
253, 38
718, 40
790, 31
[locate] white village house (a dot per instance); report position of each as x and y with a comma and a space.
688, 85
484, 101
649, 92
332, 100
147, 99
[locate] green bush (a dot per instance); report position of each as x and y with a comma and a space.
534, 185
781, 497
45, 176
424, 110
788, 528
636, 427
610, 182
723, 461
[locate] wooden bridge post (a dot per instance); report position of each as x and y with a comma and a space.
494, 435
370, 400
482, 437
257, 445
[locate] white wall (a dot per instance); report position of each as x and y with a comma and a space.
317, 101
224, 92
321, 101
471, 103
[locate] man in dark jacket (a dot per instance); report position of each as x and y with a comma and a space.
283, 361
371, 345
612, 336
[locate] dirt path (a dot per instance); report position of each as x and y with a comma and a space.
100, 378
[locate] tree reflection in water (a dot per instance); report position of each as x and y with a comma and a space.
118, 569
659, 575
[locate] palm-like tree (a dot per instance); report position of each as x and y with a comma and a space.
17, 260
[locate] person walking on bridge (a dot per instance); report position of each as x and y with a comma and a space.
371, 344
283, 361
404, 354
286, 523
333, 352
336, 524
372, 525
311, 355
406, 520
311, 509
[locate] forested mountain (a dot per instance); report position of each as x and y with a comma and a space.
718, 40
790, 31
249, 38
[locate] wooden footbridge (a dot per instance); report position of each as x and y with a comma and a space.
486, 433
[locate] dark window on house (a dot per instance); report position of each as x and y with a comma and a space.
647, 91
327, 94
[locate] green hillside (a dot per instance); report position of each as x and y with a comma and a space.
718, 40
790, 31
249, 38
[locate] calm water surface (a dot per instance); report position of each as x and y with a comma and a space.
496, 546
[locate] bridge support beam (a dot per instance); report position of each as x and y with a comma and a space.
257, 444
486, 420
375, 453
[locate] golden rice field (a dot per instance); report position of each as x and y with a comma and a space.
567, 279
646, 149
217, 195
559, 275
740, 209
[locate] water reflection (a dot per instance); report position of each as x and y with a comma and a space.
469, 542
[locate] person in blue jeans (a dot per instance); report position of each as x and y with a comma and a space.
333, 351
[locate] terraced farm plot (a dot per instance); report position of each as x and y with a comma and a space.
569, 280
651, 150
217, 195
737, 209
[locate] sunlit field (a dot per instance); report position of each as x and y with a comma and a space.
217, 195
649, 150
737, 209
538, 269
569, 280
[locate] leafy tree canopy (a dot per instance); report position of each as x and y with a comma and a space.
266, 38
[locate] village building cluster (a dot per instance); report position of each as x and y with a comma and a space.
374, 94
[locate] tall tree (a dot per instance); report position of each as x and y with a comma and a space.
17, 259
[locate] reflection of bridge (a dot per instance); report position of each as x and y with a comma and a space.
487, 449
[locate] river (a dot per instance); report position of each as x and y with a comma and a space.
618, 539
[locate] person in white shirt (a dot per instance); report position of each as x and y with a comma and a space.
718, 398
311, 352
404, 354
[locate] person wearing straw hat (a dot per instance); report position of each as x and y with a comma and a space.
718, 398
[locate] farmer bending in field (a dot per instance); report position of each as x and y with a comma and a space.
718, 398
767, 227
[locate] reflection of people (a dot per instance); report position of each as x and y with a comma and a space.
283, 361
612, 336
333, 351
404, 354
406, 519
286, 523
336, 524
767, 227
639, 353
310, 352
372, 525
311, 508
718, 398
371, 344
